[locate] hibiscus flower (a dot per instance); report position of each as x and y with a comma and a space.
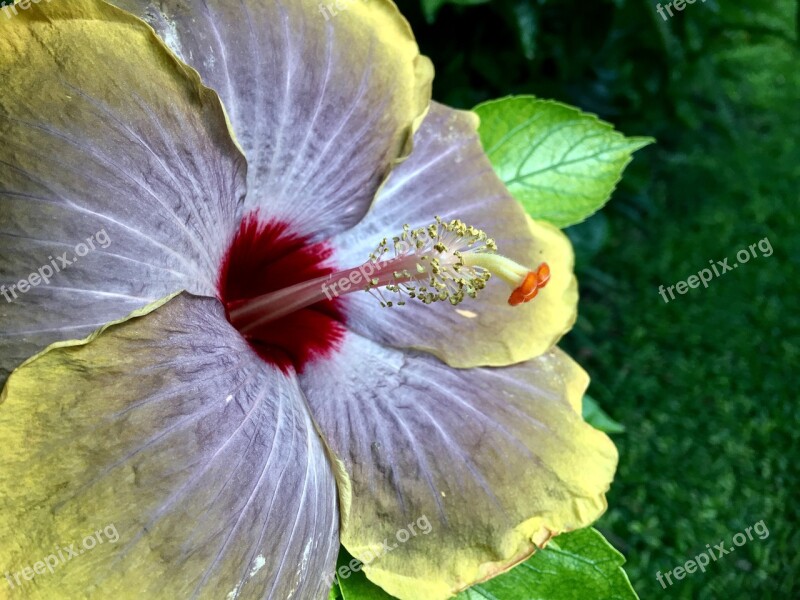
198, 384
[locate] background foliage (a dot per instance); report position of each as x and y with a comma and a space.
704, 385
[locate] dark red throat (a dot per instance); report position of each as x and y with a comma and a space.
265, 257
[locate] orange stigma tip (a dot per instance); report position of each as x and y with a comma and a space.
516, 298
530, 286
543, 274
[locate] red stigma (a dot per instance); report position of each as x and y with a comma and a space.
266, 257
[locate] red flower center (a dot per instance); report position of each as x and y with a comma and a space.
267, 257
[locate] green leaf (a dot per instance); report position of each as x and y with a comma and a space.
353, 583
560, 163
597, 418
431, 7
574, 566
335, 593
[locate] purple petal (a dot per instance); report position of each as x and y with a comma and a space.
494, 460
169, 428
323, 106
111, 144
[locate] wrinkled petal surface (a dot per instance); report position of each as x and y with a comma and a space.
106, 138
323, 106
169, 429
449, 175
497, 460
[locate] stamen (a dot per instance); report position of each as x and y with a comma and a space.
445, 261
429, 262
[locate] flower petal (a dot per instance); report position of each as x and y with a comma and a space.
449, 175
108, 142
323, 106
171, 430
498, 460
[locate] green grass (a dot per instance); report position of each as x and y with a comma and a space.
706, 385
